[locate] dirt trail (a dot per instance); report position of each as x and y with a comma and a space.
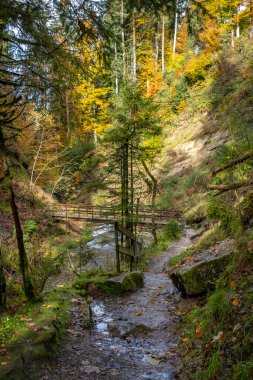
131, 336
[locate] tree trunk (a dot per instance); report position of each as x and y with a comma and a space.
156, 57
233, 163
23, 261
123, 46
116, 70
231, 186
28, 287
175, 29
233, 38
153, 199
134, 50
163, 42
67, 116
2, 283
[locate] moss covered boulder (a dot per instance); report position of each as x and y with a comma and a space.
127, 282
199, 277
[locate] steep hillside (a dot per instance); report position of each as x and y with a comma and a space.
213, 131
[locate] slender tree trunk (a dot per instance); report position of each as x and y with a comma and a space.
163, 42
175, 29
67, 116
233, 38
2, 283
156, 57
134, 50
237, 29
132, 187
36, 159
123, 45
153, 199
116, 70
23, 261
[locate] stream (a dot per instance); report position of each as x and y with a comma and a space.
132, 336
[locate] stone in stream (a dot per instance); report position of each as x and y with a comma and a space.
199, 277
127, 282
126, 328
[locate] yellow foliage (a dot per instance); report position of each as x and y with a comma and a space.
196, 67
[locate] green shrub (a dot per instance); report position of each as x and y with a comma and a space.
220, 211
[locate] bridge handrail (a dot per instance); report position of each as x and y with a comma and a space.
90, 209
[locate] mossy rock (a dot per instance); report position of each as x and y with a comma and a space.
197, 278
127, 282
111, 285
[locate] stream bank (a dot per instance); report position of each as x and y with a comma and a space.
132, 337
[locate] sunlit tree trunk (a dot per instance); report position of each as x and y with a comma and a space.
233, 38
134, 49
156, 57
163, 42
116, 69
175, 29
123, 45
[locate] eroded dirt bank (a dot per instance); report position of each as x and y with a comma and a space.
132, 335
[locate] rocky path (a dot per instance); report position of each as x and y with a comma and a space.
131, 338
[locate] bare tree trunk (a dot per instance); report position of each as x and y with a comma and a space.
28, 287
36, 159
153, 200
175, 30
156, 57
116, 70
2, 283
23, 261
233, 38
123, 45
163, 42
134, 50
67, 116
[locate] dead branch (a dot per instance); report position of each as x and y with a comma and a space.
231, 186
233, 163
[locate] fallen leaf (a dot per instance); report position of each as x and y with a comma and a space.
236, 301
198, 333
185, 339
138, 314
219, 336
237, 327
232, 284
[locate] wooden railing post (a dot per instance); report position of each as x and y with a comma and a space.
117, 247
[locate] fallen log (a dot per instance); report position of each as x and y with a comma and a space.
233, 163
231, 186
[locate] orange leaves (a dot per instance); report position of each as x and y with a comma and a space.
198, 333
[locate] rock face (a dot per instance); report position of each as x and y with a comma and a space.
127, 282
199, 277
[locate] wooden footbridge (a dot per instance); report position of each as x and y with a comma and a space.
110, 215
127, 246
